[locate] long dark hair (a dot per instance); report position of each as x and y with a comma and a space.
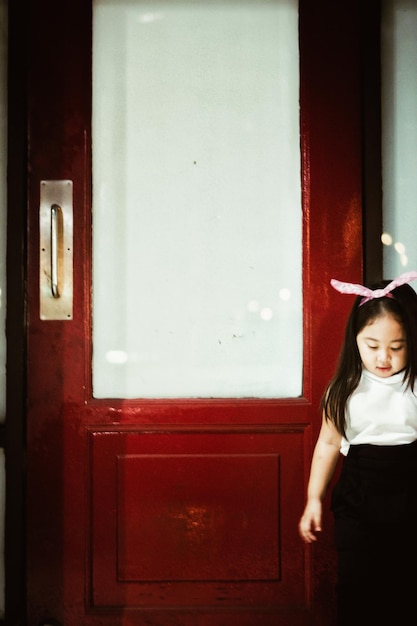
403, 307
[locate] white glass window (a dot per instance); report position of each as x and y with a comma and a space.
197, 219
399, 135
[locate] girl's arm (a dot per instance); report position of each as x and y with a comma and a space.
325, 457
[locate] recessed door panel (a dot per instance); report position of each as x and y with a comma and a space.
183, 520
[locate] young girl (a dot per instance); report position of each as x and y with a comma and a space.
370, 417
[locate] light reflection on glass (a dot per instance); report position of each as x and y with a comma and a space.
117, 356
386, 239
398, 246
253, 306
148, 18
285, 294
266, 314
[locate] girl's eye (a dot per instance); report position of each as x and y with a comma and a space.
372, 347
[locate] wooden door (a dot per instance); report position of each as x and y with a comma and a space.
180, 511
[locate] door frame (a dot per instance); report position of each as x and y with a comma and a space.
15, 426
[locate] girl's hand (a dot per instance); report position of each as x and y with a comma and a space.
325, 457
310, 523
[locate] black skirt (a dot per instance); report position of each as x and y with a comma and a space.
375, 507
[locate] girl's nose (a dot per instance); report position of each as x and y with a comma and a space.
383, 356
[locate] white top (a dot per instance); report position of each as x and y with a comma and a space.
380, 411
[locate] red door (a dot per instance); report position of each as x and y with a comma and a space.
180, 511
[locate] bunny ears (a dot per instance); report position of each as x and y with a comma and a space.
370, 294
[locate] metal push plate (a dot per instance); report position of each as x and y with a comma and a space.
56, 250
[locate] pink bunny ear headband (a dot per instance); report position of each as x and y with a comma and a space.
370, 294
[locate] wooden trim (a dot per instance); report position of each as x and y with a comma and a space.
371, 134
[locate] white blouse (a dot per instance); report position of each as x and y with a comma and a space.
380, 411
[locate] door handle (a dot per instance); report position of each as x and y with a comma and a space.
56, 250
55, 215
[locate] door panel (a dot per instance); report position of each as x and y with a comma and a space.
180, 511
199, 512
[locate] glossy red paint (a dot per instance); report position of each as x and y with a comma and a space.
165, 512
184, 508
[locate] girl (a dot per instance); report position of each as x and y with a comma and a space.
370, 417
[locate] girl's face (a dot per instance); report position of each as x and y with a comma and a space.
382, 346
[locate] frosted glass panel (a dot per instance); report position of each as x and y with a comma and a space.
399, 135
197, 222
